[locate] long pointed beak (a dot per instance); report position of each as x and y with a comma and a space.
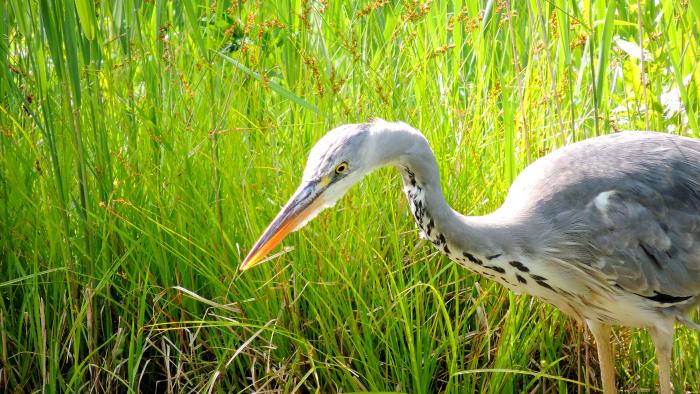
302, 205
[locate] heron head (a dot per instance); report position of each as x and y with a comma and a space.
338, 160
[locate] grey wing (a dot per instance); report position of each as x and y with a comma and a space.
645, 237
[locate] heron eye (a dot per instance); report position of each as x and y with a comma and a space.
341, 168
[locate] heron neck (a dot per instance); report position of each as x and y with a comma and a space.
451, 232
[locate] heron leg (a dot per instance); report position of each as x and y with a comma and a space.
601, 333
662, 336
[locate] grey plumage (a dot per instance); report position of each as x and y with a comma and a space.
618, 219
607, 230
626, 206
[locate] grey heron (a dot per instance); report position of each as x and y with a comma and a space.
607, 230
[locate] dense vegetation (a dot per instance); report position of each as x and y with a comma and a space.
144, 146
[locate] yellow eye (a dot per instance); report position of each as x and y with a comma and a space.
341, 168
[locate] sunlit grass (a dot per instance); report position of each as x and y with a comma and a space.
145, 145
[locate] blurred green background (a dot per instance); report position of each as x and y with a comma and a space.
145, 145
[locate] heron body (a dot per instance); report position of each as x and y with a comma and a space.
607, 230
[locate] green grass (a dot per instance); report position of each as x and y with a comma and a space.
145, 145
